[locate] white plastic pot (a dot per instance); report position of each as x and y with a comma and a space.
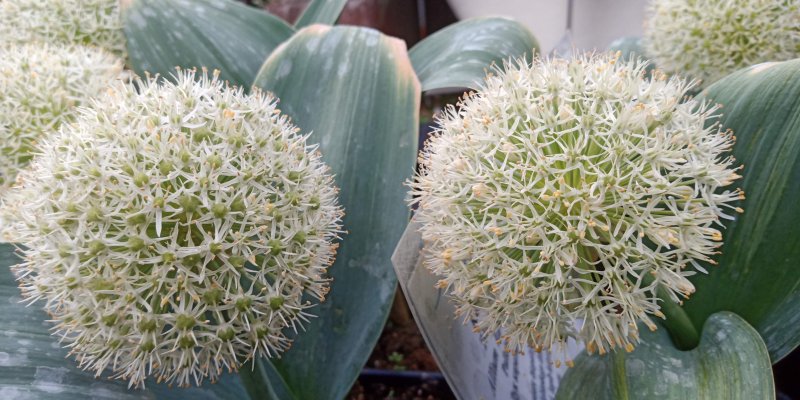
595, 23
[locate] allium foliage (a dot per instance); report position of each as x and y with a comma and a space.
571, 190
709, 39
85, 22
176, 230
40, 88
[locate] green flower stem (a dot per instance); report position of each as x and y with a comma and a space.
684, 334
681, 329
619, 378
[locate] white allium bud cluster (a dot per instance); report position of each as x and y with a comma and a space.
40, 87
709, 39
176, 230
84, 22
568, 191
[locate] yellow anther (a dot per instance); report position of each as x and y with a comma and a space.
650, 325
628, 347
447, 256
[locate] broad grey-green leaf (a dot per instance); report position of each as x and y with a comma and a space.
460, 55
731, 362
355, 89
758, 276
32, 363
321, 12
228, 386
216, 34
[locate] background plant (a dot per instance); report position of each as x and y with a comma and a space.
357, 91
707, 40
96, 23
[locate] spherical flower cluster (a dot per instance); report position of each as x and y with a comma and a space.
85, 22
568, 191
176, 230
40, 88
709, 39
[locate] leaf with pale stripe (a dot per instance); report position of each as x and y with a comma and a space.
215, 34
354, 89
758, 276
460, 55
321, 12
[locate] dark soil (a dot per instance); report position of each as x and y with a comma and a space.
431, 390
786, 372
402, 348
392, 369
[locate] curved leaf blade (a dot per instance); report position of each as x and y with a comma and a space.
459, 55
731, 362
215, 34
589, 377
321, 12
758, 276
354, 88
32, 363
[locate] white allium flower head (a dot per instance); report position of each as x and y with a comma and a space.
708, 39
568, 191
176, 229
85, 22
41, 87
